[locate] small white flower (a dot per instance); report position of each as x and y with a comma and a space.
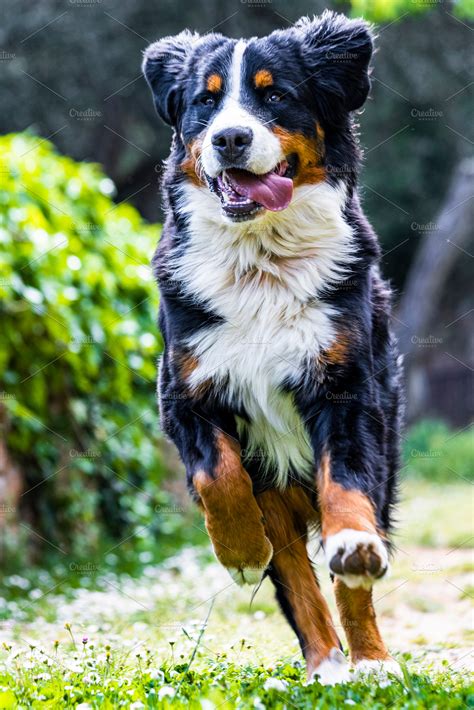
76, 668
43, 676
274, 684
15, 580
91, 678
166, 691
35, 594
158, 675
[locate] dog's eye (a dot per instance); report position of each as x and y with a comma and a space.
273, 97
207, 100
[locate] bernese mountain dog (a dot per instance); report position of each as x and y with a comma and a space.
280, 380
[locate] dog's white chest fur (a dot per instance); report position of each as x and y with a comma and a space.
263, 279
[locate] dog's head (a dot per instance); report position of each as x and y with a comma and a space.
257, 118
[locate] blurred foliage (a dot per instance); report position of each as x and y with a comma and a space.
78, 346
383, 10
435, 453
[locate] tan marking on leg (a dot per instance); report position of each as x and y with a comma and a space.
310, 154
357, 614
263, 78
233, 518
342, 508
214, 83
354, 548
287, 516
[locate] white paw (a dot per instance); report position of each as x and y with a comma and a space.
358, 558
381, 670
246, 575
334, 669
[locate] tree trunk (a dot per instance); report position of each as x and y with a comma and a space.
435, 257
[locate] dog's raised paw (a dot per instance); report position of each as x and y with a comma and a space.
247, 568
356, 557
246, 575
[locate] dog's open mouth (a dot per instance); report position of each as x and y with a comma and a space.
243, 194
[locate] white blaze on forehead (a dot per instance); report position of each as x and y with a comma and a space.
265, 151
233, 92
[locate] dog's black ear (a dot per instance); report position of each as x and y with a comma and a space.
338, 52
164, 67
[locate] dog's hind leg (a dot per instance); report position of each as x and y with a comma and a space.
286, 519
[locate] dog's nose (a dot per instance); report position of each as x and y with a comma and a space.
231, 143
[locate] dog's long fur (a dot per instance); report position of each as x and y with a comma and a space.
279, 377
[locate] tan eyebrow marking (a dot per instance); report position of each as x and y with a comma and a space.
263, 78
214, 83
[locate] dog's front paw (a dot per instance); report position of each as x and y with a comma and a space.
381, 671
331, 670
247, 575
246, 561
356, 557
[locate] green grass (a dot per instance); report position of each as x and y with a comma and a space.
435, 515
100, 678
434, 453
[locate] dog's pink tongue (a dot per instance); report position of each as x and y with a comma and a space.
271, 190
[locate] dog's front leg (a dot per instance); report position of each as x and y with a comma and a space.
354, 547
215, 475
357, 556
233, 519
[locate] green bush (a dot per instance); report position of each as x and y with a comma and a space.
384, 10
78, 349
434, 452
